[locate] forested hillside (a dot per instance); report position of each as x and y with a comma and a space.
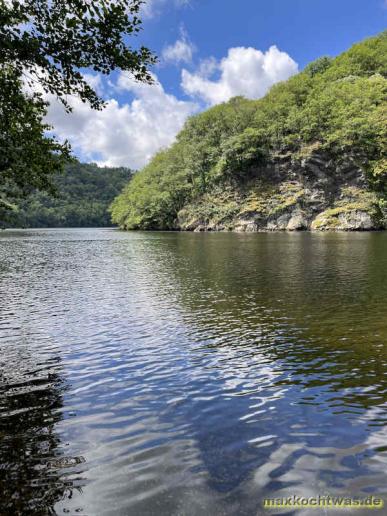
84, 192
311, 154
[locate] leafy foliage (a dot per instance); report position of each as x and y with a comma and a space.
241, 152
28, 157
335, 104
189, 167
50, 43
84, 193
319, 66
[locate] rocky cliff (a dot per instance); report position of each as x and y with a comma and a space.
317, 192
310, 154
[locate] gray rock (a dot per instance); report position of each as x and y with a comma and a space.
279, 224
355, 221
297, 222
245, 226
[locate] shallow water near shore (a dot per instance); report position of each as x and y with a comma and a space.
190, 374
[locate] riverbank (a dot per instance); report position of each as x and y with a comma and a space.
318, 193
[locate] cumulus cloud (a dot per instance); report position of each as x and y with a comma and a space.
207, 67
245, 71
181, 51
130, 132
122, 134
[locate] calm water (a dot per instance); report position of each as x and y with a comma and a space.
190, 374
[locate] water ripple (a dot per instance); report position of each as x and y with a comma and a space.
178, 374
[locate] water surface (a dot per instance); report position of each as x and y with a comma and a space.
189, 374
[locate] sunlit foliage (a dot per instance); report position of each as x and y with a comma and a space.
336, 104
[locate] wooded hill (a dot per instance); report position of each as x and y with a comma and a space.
83, 195
311, 154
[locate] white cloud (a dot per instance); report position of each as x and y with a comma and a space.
152, 8
95, 81
207, 67
127, 134
245, 71
181, 51
130, 132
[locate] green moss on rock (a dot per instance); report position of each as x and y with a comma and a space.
356, 209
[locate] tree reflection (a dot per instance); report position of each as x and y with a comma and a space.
293, 331
312, 303
32, 462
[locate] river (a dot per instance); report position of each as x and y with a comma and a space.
188, 374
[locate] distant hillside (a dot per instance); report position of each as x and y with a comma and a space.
311, 154
84, 192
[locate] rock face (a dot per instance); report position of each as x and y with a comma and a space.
313, 193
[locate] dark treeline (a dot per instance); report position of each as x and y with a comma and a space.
83, 195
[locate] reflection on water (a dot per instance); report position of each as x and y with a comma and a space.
32, 463
182, 374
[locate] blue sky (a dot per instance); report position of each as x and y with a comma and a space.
209, 50
305, 29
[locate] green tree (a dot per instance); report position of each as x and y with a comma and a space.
51, 43
28, 157
83, 195
335, 105
242, 151
318, 66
